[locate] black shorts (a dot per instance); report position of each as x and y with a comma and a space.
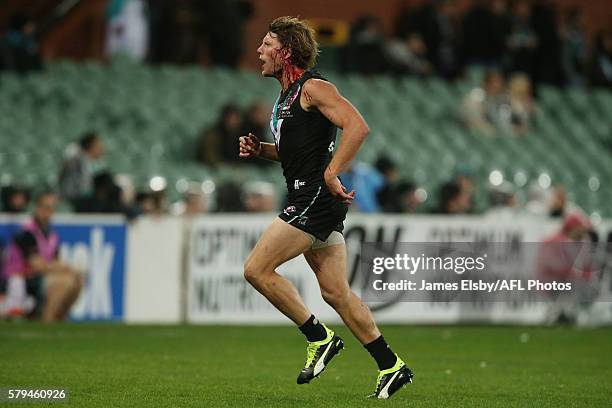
315, 211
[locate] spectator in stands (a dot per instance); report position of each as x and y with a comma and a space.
482, 33
193, 202
259, 196
433, 23
19, 49
15, 199
151, 203
410, 200
78, 170
365, 52
464, 177
452, 199
105, 198
558, 202
601, 65
144, 203
503, 205
574, 48
367, 182
225, 46
257, 121
499, 31
127, 29
218, 144
387, 195
409, 55
39, 284
176, 34
395, 196
226, 198
521, 103
523, 40
548, 65
538, 203
482, 107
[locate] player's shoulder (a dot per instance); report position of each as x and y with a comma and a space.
319, 88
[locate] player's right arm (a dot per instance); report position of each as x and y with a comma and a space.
251, 146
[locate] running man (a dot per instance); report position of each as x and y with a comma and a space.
304, 120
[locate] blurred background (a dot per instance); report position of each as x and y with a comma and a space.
491, 121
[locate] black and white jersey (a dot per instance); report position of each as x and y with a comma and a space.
305, 142
304, 139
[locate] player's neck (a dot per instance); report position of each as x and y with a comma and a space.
289, 75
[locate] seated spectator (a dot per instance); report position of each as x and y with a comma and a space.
503, 203
395, 196
538, 200
152, 203
259, 196
521, 103
77, 171
601, 65
15, 199
453, 200
226, 198
257, 122
38, 283
106, 197
481, 109
407, 201
409, 55
19, 49
558, 204
219, 143
193, 202
366, 181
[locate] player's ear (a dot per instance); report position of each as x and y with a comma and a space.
285, 54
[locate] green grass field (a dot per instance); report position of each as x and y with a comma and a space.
106, 365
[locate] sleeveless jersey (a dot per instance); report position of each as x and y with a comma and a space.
304, 139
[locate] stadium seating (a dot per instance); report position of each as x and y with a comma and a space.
150, 118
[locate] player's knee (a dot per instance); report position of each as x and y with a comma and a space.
251, 272
335, 298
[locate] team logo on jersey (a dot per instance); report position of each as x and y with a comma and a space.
297, 184
289, 210
302, 220
289, 101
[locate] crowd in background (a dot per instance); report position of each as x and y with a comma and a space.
87, 185
519, 43
435, 38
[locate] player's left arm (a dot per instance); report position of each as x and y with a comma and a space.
324, 97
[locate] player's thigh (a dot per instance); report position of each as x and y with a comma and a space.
329, 266
279, 243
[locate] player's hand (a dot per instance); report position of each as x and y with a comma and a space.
338, 190
250, 146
